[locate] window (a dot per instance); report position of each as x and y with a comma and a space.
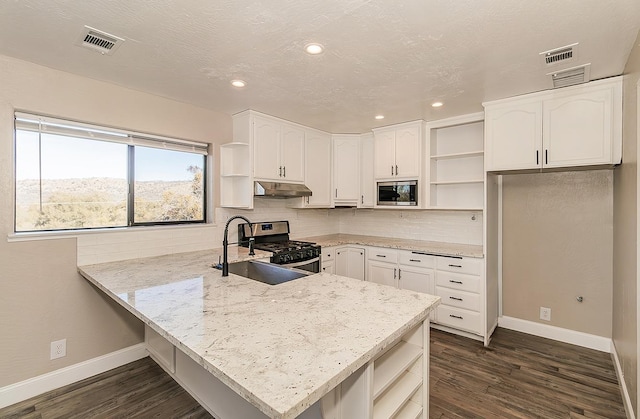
77, 176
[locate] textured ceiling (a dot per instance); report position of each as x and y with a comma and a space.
388, 57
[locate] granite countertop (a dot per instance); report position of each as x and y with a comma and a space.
280, 347
437, 248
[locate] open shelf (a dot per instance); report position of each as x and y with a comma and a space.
236, 183
411, 410
392, 364
479, 153
456, 174
235, 159
394, 399
457, 182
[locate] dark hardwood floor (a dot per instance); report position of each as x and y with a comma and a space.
520, 376
137, 390
517, 376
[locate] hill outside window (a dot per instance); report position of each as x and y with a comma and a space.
71, 175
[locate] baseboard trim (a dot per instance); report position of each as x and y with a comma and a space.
586, 340
628, 407
15, 393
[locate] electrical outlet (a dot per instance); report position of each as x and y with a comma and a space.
545, 314
58, 349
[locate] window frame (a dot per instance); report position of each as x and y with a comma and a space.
132, 139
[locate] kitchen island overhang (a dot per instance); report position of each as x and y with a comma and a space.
281, 348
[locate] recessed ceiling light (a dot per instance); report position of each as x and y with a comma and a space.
436, 104
238, 83
314, 49
379, 117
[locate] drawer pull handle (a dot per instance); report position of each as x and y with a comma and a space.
456, 317
455, 266
381, 256
414, 260
455, 298
455, 282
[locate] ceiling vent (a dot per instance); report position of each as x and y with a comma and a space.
560, 55
570, 76
99, 41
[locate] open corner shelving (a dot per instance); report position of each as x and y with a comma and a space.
456, 162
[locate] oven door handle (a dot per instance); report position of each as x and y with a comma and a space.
304, 262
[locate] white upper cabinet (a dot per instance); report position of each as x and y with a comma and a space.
346, 170
578, 129
397, 151
571, 127
367, 181
278, 150
513, 136
318, 169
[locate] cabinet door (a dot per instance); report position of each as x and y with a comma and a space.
416, 279
383, 273
577, 129
318, 170
266, 145
356, 263
384, 155
350, 262
367, 182
513, 137
346, 169
408, 150
342, 262
328, 267
292, 153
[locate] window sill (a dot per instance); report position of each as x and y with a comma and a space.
71, 234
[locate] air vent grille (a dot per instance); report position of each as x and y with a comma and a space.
563, 54
560, 55
571, 76
100, 41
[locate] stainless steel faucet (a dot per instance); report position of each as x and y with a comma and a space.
225, 244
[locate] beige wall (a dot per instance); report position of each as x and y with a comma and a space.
557, 245
626, 233
42, 298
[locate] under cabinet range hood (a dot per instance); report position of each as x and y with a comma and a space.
280, 190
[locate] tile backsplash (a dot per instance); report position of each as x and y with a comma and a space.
443, 226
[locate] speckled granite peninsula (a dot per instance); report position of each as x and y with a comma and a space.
281, 348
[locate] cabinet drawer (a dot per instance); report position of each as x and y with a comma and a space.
460, 299
462, 265
383, 255
416, 259
458, 318
462, 282
328, 253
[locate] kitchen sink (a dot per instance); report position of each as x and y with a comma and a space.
266, 272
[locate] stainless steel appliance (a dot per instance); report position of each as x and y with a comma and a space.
274, 237
404, 192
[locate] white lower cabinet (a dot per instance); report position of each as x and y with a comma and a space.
459, 285
383, 273
349, 262
327, 260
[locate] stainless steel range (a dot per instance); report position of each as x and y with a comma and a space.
274, 237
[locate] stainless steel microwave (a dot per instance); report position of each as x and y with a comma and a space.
398, 193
